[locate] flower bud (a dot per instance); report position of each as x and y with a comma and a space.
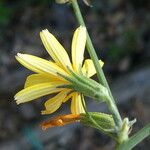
125, 129
105, 121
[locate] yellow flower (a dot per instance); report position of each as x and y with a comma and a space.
47, 79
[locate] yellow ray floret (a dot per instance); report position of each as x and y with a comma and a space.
55, 102
41, 78
88, 68
78, 47
76, 104
39, 65
55, 49
36, 91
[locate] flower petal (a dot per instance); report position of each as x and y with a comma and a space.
36, 91
54, 103
78, 47
39, 65
68, 97
76, 104
39, 78
89, 69
55, 49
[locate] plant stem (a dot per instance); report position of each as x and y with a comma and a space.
135, 139
100, 74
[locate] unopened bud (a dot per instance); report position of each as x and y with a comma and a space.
105, 121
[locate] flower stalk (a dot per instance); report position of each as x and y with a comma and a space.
100, 74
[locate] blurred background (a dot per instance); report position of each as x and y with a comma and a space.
120, 30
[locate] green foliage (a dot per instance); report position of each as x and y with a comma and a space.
125, 46
5, 14
35, 2
115, 51
8, 9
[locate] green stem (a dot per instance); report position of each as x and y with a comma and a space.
100, 74
135, 139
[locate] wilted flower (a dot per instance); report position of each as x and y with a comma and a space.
60, 121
